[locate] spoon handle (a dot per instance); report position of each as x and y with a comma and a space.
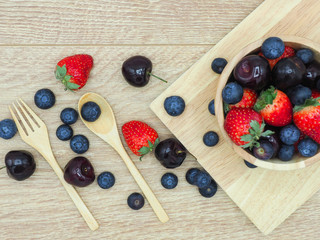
152, 199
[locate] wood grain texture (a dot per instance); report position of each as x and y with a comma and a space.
266, 197
120, 21
39, 208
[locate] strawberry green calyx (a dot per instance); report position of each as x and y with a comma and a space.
255, 132
61, 74
265, 98
308, 102
146, 149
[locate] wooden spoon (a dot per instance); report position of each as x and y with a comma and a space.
106, 128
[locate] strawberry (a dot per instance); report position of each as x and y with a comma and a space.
315, 93
73, 71
140, 137
275, 107
307, 118
248, 100
245, 126
288, 52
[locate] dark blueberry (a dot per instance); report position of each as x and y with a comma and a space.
90, 111
20, 165
69, 116
286, 152
64, 132
306, 55
44, 98
79, 144
218, 64
210, 190
307, 147
265, 151
232, 93
169, 180
106, 180
8, 129
211, 138
211, 107
79, 172
191, 174
289, 134
170, 152
202, 179
272, 47
249, 165
135, 201
174, 105
299, 94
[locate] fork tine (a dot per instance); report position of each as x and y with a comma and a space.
35, 117
20, 129
24, 123
31, 121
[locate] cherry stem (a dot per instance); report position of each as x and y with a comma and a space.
2, 167
157, 77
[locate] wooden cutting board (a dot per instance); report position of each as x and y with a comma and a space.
267, 197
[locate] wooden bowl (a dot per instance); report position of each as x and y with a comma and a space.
275, 164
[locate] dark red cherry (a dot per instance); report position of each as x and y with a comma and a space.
79, 172
20, 165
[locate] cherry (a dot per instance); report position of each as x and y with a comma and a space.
137, 71
79, 172
20, 165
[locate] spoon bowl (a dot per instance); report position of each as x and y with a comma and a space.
106, 128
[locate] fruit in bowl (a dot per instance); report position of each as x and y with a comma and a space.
279, 128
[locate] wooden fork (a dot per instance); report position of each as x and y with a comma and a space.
34, 132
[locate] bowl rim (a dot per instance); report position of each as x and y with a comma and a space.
289, 40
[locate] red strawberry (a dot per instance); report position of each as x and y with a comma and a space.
248, 100
140, 137
73, 71
275, 107
244, 126
288, 52
307, 118
315, 93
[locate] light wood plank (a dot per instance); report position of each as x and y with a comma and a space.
120, 21
43, 210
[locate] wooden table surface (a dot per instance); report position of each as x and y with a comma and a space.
173, 34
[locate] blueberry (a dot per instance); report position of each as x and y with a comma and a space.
265, 151
69, 116
79, 144
307, 147
272, 47
190, 175
44, 98
249, 165
286, 152
218, 64
174, 105
211, 107
169, 180
289, 134
8, 129
202, 179
90, 111
106, 180
306, 55
64, 132
232, 93
135, 201
299, 94
210, 190
211, 138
